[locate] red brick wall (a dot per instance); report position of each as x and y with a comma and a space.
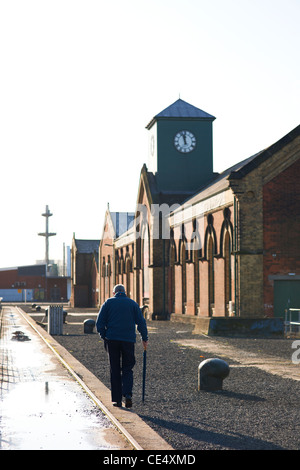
10, 279
58, 282
190, 289
219, 273
95, 285
106, 253
281, 209
219, 287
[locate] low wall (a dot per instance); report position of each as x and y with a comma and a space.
234, 326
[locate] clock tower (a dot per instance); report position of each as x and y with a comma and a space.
181, 147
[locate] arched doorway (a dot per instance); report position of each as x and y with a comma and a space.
128, 271
183, 259
145, 262
171, 277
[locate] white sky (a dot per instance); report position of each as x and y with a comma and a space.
80, 80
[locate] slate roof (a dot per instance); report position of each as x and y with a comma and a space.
220, 182
32, 270
87, 246
265, 154
122, 221
183, 110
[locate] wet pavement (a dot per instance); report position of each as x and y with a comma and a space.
42, 406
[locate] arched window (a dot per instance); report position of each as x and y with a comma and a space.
171, 273
108, 276
211, 274
145, 260
210, 250
196, 255
103, 267
117, 264
227, 269
210, 232
122, 268
226, 241
128, 269
226, 227
195, 258
183, 260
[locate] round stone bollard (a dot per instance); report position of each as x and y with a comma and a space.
211, 374
89, 325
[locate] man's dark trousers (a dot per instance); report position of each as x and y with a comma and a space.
122, 360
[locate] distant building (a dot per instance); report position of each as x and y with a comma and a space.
84, 273
114, 227
32, 283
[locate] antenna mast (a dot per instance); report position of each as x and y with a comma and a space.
47, 234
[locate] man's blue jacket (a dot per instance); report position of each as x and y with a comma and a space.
117, 319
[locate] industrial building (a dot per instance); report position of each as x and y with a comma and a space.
205, 245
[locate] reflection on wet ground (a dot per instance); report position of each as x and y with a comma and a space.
41, 405
51, 416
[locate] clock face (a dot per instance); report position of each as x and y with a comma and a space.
185, 141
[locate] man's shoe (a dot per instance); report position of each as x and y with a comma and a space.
118, 404
128, 401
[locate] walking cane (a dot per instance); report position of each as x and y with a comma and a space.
144, 373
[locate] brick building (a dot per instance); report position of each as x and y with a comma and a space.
207, 245
114, 262
84, 273
32, 283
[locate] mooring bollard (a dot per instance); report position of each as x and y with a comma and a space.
89, 325
211, 374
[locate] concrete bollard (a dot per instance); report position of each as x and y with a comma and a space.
211, 374
88, 326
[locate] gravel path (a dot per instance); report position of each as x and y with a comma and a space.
255, 410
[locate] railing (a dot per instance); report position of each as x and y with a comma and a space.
290, 325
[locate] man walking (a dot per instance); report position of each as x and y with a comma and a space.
116, 325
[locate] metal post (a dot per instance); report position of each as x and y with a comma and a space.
55, 320
46, 234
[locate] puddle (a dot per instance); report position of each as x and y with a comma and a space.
19, 336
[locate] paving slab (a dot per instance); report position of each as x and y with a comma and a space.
271, 364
